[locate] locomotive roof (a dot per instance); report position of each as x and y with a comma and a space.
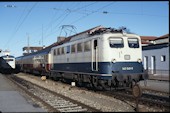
93, 31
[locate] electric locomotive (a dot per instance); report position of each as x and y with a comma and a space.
102, 57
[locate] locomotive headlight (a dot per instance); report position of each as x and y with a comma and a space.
113, 60
139, 60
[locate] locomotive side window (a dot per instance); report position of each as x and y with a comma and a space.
133, 42
54, 52
68, 49
79, 47
73, 48
116, 42
87, 46
58, 51
62, 50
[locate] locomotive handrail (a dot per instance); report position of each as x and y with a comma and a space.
96, 58
92, 56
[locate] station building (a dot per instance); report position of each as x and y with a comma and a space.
155, 56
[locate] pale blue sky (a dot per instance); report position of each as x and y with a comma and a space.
20, 19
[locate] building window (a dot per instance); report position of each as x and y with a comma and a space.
163, 58
146, 62
153, 64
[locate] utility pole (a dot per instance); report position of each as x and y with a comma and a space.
42, 35
28, 48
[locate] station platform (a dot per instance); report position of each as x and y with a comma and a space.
157, 85
12, 101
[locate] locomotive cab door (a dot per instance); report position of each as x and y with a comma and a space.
94, 61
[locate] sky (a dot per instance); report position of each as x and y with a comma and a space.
42, 22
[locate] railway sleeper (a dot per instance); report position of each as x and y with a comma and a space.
71, 108
49, 99
58, 102
61, 104
77, 110
65, 106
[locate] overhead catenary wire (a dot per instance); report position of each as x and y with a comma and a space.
59, 9
71, 12
55, 19
89, 12
13, 35
98, 10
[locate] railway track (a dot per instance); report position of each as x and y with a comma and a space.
53, 101
146, 98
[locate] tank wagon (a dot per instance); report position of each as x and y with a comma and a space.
37, 63
100, 57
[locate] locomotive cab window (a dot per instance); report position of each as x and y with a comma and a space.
116, 42
133, 42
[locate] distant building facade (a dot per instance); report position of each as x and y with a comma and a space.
155, 54
146, 40
28, 50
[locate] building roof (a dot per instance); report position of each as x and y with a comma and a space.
163, 37
150, 38
155, 46
147, 39
145, 42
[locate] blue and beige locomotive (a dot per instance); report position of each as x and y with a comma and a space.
98, 57
101, 57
